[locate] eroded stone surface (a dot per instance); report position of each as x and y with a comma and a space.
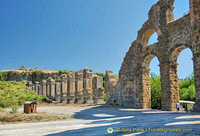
75, 87
133, 87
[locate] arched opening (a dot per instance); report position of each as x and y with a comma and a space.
155, 84
181, 8
183, 78
153, 39
114, 102
150, 37
151, 83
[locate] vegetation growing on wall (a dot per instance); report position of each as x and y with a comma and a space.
102, 75
16, 93
64, 71
34, 74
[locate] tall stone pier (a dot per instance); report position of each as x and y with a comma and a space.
79, 98
58, 92
52, 88
30, 84
87, 85
48, 86
110, 84
64, 88
44, 87
71, 88
37, 88
97, 86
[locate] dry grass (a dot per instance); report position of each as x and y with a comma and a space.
6, 117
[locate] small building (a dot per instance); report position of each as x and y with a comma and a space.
186, 105
30, 107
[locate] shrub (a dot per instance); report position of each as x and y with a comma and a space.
2, 75
60, 72
16, 93
14, 109
34, 74
1, 110
104, 97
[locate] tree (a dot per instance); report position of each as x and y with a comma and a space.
187, 88
155, 91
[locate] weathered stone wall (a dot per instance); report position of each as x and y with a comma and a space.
29, 75
133, 87
79, 87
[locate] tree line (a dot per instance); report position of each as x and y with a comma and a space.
186, 90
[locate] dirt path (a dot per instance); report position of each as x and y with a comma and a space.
94, 121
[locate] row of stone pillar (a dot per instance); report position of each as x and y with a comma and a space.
79, 87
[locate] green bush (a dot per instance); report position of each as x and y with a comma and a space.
104, 97
64, 71
2, 75
14, 109
16, 93
26, 73
34, 74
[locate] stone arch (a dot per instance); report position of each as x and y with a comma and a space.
146, 36
176, 50
174, 53
114, 102
134, 72
146, 86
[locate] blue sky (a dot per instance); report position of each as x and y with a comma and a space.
73, 34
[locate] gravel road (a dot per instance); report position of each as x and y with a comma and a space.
94, 120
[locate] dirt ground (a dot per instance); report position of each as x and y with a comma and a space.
90, 120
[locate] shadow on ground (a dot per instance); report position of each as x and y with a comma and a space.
141, 121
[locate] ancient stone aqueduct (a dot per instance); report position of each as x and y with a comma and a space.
79, 87
132, 89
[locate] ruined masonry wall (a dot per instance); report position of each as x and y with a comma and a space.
132, 89
79, 87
